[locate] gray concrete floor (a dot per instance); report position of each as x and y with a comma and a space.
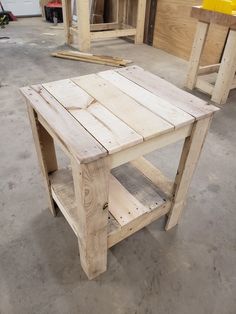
190, 269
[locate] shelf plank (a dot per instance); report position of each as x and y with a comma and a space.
140, 222
122, 203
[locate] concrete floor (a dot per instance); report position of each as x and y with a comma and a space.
190, 269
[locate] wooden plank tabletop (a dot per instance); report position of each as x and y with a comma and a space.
208, 16
100, 114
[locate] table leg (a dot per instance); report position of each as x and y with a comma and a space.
226, 72
46, 153
197, 49
91, 184
84, 39
141, 10
188, 162
67, 18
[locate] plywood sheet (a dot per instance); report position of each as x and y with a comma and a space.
175, 30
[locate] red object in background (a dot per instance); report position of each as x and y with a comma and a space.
55, 4
10, 15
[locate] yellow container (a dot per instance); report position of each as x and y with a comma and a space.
223, 6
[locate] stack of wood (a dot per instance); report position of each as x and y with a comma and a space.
88, 57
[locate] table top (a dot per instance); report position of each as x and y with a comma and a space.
100, 114
213, 17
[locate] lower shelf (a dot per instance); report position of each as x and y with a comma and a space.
132, 205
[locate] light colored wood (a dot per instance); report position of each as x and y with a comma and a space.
194, 62
233, 83
154, 175
114, 33
88, 57
103, 26
122, 204
45, 151
191, 104
76, 139
124, 107
208, 69
214, 17
140, 222
111, 132
62, 189
146, 147
141, 10
91, 195
86, 32
227, 70
175, 28
188, 161
83, 25
110, 63
67, 18
73, 97
157, 105
204, 86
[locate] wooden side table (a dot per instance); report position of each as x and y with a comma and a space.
102, 121
87, 32
226, 69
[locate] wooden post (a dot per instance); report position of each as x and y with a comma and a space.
226, 72
91, 183
46, 153
198, 45
84, 39
141, 12
121, 12
188, 162
67, 18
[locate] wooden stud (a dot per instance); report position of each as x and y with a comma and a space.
226, 72
198, 45
67, 18
91, 194
188, 162
83, 25
141, 10
45, 151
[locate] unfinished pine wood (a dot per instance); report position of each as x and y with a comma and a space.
45, 151
194, 62
157, 105
122, 204
91, 195
146, 147
114, 33
226, 71
120, 233
141, 10
155, 175
227, 20
101, 125
124, 107
86, 32
111, 132
72, 97
83, 25
191, 104
204, 86
188, 161
67, 19
175, 28
208, 69
66, 129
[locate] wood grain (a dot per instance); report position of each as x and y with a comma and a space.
175, 29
